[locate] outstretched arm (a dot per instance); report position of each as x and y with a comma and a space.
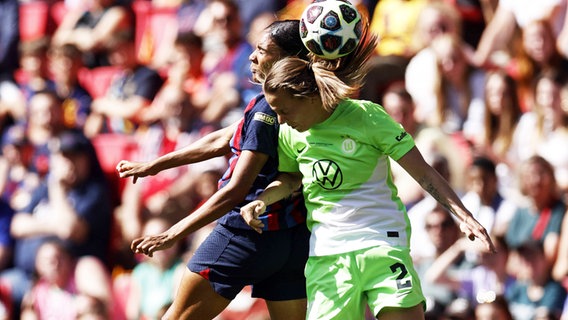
247, 169
438, 187
283, 186
212, 145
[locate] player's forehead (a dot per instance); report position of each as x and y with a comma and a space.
266, 43
281, 101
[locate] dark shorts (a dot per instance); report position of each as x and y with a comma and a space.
272, 262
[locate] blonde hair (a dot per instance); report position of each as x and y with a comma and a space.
333, 80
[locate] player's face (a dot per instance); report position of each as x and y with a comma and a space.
299, 113
264, 55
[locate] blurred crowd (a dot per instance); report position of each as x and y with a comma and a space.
482, 86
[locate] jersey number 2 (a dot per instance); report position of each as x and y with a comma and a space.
400, 284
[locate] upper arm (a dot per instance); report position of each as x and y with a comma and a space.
109, 24
248, 167
415, 165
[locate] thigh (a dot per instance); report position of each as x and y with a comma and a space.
195, 299
416, 312
287, 310
391, 282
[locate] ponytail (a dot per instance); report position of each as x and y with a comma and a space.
333, 80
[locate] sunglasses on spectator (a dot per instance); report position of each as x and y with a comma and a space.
443, 225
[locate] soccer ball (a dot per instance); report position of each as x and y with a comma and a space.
330, 28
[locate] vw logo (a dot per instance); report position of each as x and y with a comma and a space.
327, 174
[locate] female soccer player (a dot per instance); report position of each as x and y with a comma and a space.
338, 149
233, 255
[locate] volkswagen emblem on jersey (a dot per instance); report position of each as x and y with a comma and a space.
327, 174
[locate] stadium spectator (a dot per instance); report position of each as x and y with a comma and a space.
91, 28
534, 295
12, 104
71, 205
65, 63
129, 94
67, 287
155, 280
539, 215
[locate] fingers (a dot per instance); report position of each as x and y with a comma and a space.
250, 214
142, 247
473, 229
256, 225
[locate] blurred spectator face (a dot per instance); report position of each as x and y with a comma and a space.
436, 19
495, 93
449, 56
547, 96
434, 23
226, 22
64, 64
532, 263
538, 42
34, 63
53, 264
400, 109
45, 111
441, 228
483, 183
537, 180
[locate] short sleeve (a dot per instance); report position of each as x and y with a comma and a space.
286, 155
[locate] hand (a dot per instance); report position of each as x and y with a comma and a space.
250, 213
473, 229
149, 244
136, 170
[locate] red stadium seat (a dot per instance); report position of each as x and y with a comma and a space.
97, 81
34, 20
154, 27
58, 11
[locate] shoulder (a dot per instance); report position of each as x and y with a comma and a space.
259, 110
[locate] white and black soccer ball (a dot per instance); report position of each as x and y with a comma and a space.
330, 28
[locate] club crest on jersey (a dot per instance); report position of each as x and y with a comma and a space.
266, 118
348, 145
327, 174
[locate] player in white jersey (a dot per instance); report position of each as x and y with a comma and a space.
338, 149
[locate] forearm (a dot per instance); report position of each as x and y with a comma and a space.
440, 189
213, 145
214, 208
496, 36
439, 267
127, 109
432, 182
281, 188
69, 225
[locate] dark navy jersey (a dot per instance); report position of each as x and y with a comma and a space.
258, 132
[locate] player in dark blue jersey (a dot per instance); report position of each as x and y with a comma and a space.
233, 255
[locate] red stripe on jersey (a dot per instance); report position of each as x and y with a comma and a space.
205, 273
